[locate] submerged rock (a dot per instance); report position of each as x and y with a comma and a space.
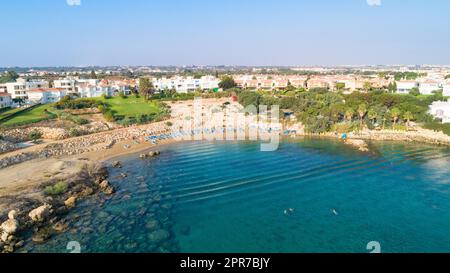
358, 143
159, 236
104, 184
41, 236
116, 164
152, 224
60, 226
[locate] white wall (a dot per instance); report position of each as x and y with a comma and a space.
441, 110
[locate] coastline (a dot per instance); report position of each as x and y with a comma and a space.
24, 194
26, 172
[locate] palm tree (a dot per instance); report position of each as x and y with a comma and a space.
408, 116
367, 86
372, 114
349, 114
362, 110
395, 114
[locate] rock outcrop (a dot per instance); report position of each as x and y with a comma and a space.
41, 213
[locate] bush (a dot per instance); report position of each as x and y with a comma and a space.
127, 121
101, 108
74, 132
400, 127
57, 189
35, 135
68, 103
437, 126
247, 98
345, 127
109, 116
80, 121
318, 125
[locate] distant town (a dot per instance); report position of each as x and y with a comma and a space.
24, 87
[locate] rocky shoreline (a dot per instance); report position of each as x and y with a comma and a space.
89, 143
358, 139
35, 219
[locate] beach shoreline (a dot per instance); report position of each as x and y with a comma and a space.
25, 172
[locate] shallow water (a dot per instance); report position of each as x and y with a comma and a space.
231, 197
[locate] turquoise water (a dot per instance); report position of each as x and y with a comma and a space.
311, 195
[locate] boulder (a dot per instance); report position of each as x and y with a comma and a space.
159, 236
60, 226
116, 164
104, 184
12, 214
4, 237
10, 226
87, 192
71, 202
41, 236
39, 214
152, 224
109, 190
8, 248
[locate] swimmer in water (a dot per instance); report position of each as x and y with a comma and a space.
335, 212
289, 211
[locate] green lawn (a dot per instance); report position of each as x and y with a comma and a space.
9, 112
131, 106
34, 115
126, 107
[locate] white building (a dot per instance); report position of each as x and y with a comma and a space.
446, 89
186, 84
66, 84
427, 87
441, 110
5, 100
19, 88
87, 90
404, 87
46, 95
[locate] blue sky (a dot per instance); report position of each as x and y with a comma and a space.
229, 32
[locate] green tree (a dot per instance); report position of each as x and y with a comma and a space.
248, 98
340, 86
415, 91
395, 115
349, 114
35, 135
372, 115
9, 76
367, 86
93, 75
408, 116
392, 87
362, 111
227, 82
146, 88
